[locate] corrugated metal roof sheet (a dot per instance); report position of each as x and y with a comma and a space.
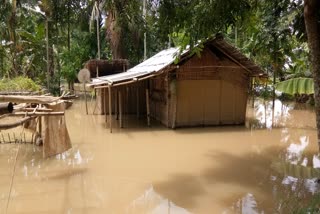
148, 67
166, 57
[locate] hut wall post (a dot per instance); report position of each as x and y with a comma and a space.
173, 102
110, 109
120, 108
252, 90
96, 101
100, 101
137, 94
104, 102
116, 106
148, 106
127, 101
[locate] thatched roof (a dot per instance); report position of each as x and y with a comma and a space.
165, 59
235, 55
106, 67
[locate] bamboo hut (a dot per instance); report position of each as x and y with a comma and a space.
197, 91
106, 67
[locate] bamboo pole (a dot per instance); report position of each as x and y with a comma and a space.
173, 88
148, 106
252, 91
105, 102
85, 96
57, 113
120, 108
32, 109
116, 106
96, 101
127, 103
110, 109
138, 104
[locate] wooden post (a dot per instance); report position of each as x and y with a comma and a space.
173, 92
40, 125
120, 108
127, 102
252, 91
116, 106
105, 102
85, 96
110, 109
148, 106
96, 101
138, 104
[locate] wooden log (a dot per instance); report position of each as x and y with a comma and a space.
20, 93
16, 124
69, 97
6, 108
29, 99
32, 109
57, 113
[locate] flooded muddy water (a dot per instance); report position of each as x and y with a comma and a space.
268, 166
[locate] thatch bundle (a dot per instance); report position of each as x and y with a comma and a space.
106, 67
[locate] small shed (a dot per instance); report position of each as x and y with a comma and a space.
210, 89
106, 67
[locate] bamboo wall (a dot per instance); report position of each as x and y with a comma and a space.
209, 102
133, 99
211, 90
159, 98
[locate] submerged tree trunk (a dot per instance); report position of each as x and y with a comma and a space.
312, 18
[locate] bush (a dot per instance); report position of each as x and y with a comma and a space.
18, 84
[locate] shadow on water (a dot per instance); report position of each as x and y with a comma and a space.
182, 189
277, 178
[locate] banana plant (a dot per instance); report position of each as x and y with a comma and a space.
296, 86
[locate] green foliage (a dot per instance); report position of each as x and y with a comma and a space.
296, 86
199, 19
267, 34
18, 84
312, 207
81, 50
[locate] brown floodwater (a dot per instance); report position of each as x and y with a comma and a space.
270, 165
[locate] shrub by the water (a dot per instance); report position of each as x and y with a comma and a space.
18, 84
